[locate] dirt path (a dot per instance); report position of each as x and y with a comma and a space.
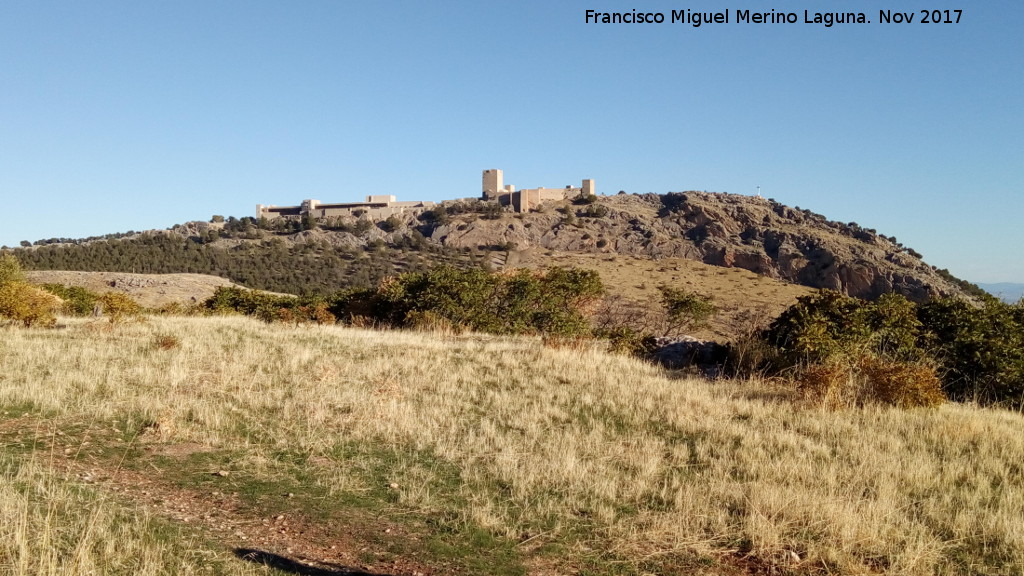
289, 541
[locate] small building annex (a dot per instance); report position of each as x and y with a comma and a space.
376, 207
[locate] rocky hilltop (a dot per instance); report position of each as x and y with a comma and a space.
729, 230
725, 230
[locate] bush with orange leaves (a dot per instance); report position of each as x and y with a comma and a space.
872, 380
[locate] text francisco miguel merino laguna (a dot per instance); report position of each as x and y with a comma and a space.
827, 19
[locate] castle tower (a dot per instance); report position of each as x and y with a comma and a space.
493, 184
588, 187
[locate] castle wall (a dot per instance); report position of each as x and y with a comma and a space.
494, 189
378, 207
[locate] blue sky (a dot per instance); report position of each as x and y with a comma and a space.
120, 116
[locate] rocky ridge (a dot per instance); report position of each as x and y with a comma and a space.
728, 230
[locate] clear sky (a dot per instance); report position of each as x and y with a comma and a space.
133, 115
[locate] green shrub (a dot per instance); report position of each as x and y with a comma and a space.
271, 307
686, 310
626, 340
10, 270
818, 328
391, 224
980, 349
78, 301
228, 299
553, 302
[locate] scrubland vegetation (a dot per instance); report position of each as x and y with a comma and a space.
530, 449
567, 459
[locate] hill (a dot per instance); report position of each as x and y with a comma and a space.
726, 230
1007, 291
330, 450
636, 242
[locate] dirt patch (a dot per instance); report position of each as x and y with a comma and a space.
180, 450
149, 290
276, 534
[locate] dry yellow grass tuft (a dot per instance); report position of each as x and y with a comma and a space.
567, 445
51, 526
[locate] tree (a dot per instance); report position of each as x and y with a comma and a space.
10, 270
686, 310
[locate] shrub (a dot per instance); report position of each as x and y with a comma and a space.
553, 302
166, 342
870, 380
626, 340
980, 349
78, 301
819, 327
119, 306
227, 299
22, 302
429, 321
28, 305
595, 211
902, 384
10, 270
391, 224
686, 310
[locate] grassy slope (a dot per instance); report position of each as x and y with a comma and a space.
534, 459
742, 297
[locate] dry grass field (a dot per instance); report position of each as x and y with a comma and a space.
161, 447
149, 290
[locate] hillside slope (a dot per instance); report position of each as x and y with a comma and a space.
475, 454
724, 230
728, 230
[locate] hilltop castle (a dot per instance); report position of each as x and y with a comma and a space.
527, 199
382, 206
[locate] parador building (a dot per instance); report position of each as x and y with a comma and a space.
493, 189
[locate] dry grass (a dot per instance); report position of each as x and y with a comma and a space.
736, 292
603, 455
50, 526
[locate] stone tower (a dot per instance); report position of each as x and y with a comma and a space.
493, 185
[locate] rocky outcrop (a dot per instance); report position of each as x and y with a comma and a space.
729, 230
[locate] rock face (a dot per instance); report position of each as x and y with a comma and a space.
728, 230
